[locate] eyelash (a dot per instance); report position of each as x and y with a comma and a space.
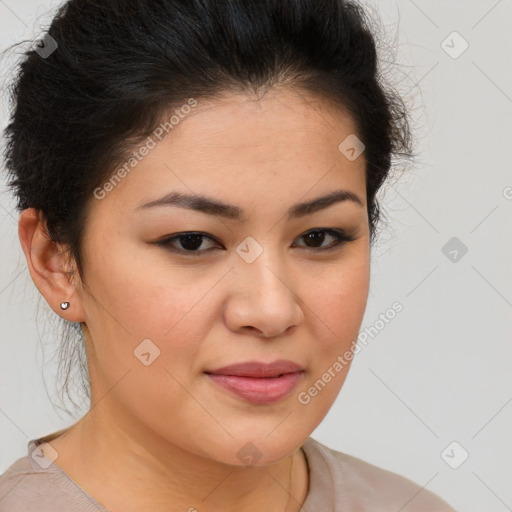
340, 239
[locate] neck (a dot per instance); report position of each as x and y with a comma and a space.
126, 467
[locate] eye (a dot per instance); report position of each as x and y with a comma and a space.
190, 243
317, 236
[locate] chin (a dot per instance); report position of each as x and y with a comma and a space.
257, 451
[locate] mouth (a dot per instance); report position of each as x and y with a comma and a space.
258, 383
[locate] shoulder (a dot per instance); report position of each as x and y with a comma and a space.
362, 486
26, 487
20, 486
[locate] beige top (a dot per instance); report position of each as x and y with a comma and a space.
337, 483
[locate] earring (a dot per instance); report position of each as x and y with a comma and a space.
64, 305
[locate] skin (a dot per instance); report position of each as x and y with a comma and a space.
165, 437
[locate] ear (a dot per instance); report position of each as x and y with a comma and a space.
49, 266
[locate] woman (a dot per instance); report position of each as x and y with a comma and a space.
197, 185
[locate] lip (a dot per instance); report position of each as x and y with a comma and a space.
257, 369
259, 383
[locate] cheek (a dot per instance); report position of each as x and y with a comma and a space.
347, 304
337, 297
147, 323
337, 300
135, 301
140, 297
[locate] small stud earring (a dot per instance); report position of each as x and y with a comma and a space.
64, 305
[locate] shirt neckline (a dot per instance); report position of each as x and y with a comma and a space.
320, 481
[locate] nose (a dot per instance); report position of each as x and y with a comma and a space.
263, 298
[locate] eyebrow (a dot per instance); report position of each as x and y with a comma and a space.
211, 206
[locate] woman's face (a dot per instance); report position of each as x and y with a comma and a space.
255, 288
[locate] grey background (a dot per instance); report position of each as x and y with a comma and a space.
440, 371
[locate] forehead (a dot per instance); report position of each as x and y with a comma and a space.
279, 146
281, 119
